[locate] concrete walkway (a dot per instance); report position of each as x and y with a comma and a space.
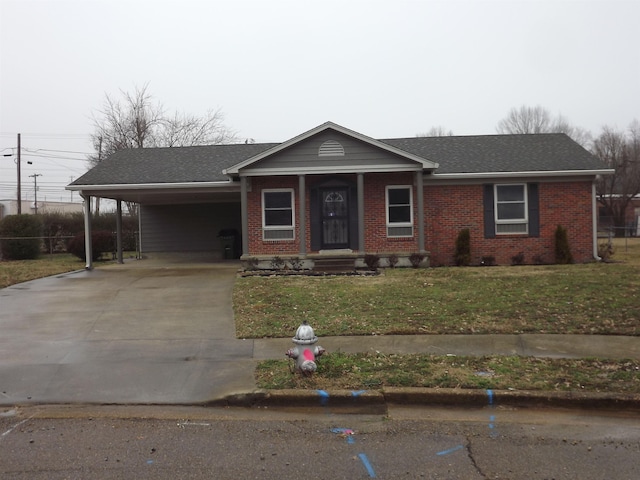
162, 333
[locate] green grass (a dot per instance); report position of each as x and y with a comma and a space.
18, 271
596, 298
367, 371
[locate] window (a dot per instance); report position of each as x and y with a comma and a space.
399, 211
277, 214
511, 209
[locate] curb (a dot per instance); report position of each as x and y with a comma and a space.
377, 401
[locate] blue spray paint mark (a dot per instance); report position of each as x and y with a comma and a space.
324, 397
451, 450
149, 462
367, 465
358, 393
490, 395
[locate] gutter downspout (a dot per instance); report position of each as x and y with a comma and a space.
594, 215
88, 248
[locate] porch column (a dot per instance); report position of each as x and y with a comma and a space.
119, 230
360, 195
302, 213
420, 195
88, 250
244, 217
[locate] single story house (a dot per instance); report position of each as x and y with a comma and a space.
334, 192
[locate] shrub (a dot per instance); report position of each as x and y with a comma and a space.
296, 263
488, 261
562, 250
277, 263
463, 248
393, 260
518, 259
605, 251
416, 259
372, 261
101, 242
22, 227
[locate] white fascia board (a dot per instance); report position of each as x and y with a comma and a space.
484, 175
154, 186
257, 172
426, 164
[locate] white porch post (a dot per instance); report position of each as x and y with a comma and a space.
302, 215
420, 195
360, 195
88, 250
244, 217
119, 231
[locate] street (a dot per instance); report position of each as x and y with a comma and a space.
117, 442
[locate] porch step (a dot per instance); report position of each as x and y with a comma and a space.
334, 265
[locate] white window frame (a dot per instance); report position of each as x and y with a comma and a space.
400, 225
511, 221
287, 232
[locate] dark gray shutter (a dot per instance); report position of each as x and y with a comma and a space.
534, 210
489, 218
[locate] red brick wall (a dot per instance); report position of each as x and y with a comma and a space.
450, 208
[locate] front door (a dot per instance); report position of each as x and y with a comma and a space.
335, 218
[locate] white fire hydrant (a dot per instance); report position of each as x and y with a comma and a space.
305, 354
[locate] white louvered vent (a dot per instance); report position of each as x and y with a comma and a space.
331, 148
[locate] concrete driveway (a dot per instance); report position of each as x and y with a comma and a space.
142, 332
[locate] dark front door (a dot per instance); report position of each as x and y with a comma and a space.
335, 218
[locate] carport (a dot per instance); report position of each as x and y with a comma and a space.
176, 217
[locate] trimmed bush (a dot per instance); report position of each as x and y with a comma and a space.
101, 242
463, 248
562, 249
372, 261
416, 259
21, 227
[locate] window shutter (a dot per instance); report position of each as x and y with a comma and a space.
489, 218
534, 210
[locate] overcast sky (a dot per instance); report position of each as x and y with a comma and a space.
392, 68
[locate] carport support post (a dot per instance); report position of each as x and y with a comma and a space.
88, 250
119, 230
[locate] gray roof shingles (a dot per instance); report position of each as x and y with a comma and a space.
469, 154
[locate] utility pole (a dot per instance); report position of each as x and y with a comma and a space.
19, 192
35, 189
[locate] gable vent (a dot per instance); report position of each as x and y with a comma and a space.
331, 148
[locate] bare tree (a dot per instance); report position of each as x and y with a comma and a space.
137, 121
526, 120
438, 131
619, 150
539, 120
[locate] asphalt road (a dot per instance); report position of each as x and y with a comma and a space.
197, 443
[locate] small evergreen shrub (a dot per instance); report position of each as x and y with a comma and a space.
463, 248
393, 260
416, 259
296, 263
488, 261
101, 242
22, 228
372, 261
518, 259
562, 249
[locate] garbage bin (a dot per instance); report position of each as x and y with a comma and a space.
228, 240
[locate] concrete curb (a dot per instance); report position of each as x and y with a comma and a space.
377, 401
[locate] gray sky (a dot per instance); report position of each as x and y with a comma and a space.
392, 68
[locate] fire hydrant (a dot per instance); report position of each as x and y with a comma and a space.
305, 354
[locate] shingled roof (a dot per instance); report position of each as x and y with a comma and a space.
455, 155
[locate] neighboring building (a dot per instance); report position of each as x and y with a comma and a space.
333, 191
10, 207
